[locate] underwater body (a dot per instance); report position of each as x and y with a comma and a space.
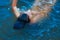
47, 29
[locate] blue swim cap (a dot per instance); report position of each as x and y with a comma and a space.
21, 21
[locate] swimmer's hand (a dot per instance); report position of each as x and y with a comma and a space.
14, 3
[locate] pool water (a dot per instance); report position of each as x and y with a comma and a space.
24, 5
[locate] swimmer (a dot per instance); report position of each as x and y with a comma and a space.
18, 13
38, 11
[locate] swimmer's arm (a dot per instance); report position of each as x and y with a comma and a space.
15, 9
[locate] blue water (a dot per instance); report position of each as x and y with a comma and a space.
47, 29
5, 2
25, 4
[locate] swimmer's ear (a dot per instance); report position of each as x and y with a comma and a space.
28, 19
